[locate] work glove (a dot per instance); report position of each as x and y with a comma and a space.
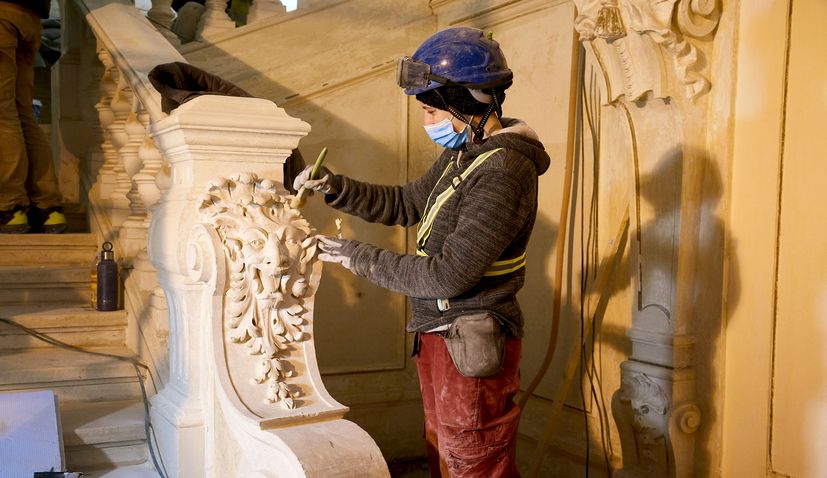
326, 183
336, 250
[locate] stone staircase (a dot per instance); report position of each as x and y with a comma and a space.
45, 286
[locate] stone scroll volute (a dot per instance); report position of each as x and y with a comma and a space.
644, 43
266, 252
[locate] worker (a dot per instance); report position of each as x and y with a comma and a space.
474, 210
29, 194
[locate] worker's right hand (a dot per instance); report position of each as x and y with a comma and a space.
326, 183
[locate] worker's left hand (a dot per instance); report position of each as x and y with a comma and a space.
336, 250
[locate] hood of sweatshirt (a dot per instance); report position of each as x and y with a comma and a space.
516, 135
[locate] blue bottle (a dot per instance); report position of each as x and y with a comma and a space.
108, 282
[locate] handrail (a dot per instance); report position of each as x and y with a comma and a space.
125, 33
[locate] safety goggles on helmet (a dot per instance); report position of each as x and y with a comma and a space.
415, 74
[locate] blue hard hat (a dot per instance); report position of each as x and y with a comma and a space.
462, 56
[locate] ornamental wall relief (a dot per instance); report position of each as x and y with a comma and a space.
269, 250
636, 39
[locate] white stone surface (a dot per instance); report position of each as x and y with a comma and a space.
30, 438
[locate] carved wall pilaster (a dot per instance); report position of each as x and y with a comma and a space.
651, 58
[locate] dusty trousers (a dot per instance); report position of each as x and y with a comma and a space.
27, 174
470, 423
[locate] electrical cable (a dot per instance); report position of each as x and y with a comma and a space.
584, 278
138, 365
589, 257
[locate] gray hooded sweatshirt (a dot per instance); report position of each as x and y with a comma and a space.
489, 218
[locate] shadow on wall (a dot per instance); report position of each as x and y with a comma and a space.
707, 311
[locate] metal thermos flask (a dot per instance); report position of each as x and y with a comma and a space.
107, 279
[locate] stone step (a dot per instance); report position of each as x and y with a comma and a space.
79, 326
144, 470
89, 458
41, 249
73, 376
65, 284
103, 434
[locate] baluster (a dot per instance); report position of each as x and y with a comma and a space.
121, 106
105, 182
152, 161
135, 225
161, 15
214, 20
263, 9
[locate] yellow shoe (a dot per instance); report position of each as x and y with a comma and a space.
50, 220
14, 221
55, 223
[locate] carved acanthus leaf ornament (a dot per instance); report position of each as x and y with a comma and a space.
674, 25
269, 249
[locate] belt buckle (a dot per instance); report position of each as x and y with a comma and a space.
443, 305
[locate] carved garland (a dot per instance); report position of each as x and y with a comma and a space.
269, 248
669, 26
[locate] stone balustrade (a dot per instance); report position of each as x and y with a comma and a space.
180, 194
214, 20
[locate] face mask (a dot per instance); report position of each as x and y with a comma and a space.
443, 134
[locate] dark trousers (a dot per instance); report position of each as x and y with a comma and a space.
470, 423
27, 174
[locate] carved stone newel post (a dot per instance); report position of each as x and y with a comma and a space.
646, 57
238, 267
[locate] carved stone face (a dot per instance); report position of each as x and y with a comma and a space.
272, 245
269, 253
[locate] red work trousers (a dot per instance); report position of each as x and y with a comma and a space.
470, 423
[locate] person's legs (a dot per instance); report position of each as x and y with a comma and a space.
13, 157
27, 172
424, 364
41, 183
476, 417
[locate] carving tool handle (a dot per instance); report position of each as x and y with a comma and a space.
300, 198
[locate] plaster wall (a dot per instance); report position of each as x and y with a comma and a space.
774, 417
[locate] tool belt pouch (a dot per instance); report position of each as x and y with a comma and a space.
475, 343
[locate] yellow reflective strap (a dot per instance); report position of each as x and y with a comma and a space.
498, 268
425, 232
498, 272
506, 262
426, 224
428, 209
